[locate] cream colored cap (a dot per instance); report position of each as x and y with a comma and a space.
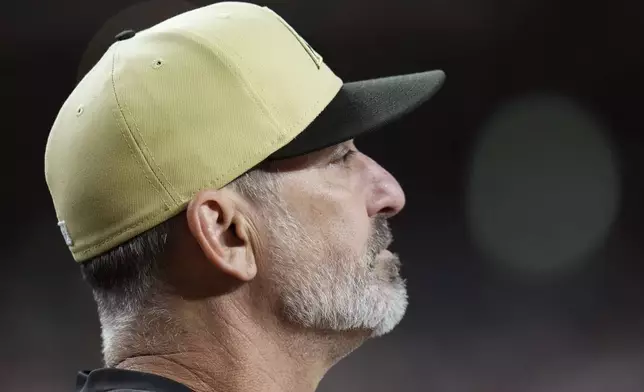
188, 104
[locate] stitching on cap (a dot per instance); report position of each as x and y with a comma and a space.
263, 106
249, 71
271, 144
127, 142
134, 156
252, 88
167, 208
118, 104
147, 149
315, 56
111, 237
230, 51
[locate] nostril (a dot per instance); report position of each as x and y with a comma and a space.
388, 212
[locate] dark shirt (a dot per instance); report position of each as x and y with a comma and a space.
119, 380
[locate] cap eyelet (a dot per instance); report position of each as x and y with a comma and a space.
79, 110
157, 63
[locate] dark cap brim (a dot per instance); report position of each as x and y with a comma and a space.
361, 107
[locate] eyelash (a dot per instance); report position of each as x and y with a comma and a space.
347, 156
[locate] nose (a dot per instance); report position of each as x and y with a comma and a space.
387, 197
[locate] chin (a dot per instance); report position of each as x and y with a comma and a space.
390, 296
393, 306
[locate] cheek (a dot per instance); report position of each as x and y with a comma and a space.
332, 211
341, 222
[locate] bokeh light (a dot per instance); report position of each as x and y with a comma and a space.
543, 187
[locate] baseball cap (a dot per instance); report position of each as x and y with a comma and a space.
193, 103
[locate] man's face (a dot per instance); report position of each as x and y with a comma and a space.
326, 235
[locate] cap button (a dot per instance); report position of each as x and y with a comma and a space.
126, 34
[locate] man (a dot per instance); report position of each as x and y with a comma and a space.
205, 179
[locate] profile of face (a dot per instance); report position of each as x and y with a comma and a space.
326, 235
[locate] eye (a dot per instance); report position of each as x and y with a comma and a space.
346, 157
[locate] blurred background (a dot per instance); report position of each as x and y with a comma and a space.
522, 236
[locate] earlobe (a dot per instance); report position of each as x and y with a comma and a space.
214, 223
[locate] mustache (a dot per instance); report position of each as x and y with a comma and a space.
380, 237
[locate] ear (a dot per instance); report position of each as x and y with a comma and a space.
214, 222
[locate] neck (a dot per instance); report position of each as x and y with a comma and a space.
231, 349
203, 372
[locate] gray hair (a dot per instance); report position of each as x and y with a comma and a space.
127, 282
